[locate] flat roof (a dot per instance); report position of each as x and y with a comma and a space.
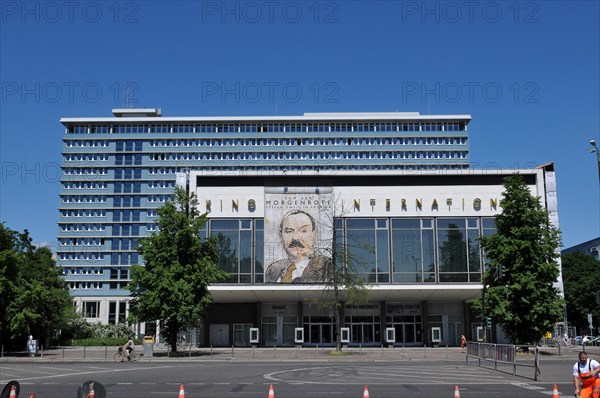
153, 116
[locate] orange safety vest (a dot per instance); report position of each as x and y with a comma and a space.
590, 382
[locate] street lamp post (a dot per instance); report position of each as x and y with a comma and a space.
595, 150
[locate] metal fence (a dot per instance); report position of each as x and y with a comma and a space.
505, 355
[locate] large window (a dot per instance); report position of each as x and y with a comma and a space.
234, 245
412, 250
458, 250
367, 247
259, 251
381, 250
91, 309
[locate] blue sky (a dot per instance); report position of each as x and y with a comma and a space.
528, 73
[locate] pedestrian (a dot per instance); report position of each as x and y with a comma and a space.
585, 340
463, 343
586, 378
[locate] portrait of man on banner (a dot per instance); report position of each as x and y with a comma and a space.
301, 244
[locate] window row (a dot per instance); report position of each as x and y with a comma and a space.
82, 227
81, 256
79, 157
81, 241
82, 271
79, 171
83, 199
161, 184
267, 127
86, 286
86, 143
396, 250
260, 142
85, 185
310, 155
83, 213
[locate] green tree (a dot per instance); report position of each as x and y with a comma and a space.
172, 286
581, 279
34, 299
343, 284
520, 293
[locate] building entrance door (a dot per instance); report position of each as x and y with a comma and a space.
364, 330
319, 330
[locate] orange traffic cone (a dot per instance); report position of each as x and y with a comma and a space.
456, 392
271, 392
32, 396
92, 393
13, 392
555, 392
181, 391
366, 392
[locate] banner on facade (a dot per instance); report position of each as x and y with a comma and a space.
298, 236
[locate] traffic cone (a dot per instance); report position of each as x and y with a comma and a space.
555, 392
181, 391
32, 396
13, 392
92, 393
366, 392
271, 392
456, 392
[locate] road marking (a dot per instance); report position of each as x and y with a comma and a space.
136, 369
527, 386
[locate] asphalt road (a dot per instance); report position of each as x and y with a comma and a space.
301, 379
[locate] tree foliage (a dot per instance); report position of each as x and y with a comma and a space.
34, 299
521, 295
179, 266
581, 279
343, 285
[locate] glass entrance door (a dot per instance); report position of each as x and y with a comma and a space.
318, 330
364, 330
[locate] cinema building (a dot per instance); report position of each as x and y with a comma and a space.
395, 189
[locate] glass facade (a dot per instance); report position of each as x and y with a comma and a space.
381, 250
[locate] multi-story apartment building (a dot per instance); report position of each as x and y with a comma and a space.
397, 183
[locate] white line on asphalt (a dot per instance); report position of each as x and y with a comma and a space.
92, 372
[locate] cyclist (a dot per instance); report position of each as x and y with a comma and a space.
130, 346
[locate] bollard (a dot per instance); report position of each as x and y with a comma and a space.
83, 352
211, 351
274, 352
382, 351
231, 351
63, 352
190, 350
105, 352
424, 350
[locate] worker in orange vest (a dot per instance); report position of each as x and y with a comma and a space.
586, 377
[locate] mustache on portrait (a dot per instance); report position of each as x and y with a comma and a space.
295, 243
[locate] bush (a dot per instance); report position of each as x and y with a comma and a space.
101, 342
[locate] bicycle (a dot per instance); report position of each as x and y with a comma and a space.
121, 356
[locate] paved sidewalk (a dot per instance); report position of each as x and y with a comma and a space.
351, 354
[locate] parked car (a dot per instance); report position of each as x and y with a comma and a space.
578, 340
